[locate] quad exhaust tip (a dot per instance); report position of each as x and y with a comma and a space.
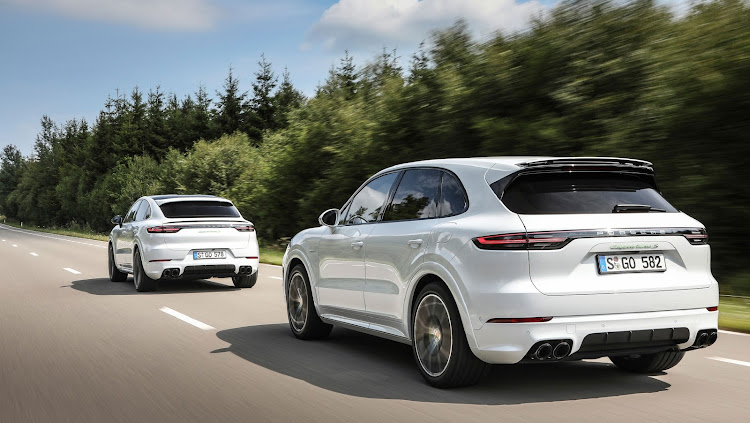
555, 349
711, 338
245, 270
543, 352
561, 350
170, 273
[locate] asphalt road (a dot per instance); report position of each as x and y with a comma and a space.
75, 347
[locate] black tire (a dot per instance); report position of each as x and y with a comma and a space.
300, 310
114, 273
245, 281
648, 363
430, 328
141, 280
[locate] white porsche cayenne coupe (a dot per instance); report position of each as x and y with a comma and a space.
182, 237
507, 260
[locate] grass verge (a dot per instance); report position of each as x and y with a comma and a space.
734, 314
270, 254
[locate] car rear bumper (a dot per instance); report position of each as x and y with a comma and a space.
189, 268
508, 343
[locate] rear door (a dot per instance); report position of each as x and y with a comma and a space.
579, 243
126, 238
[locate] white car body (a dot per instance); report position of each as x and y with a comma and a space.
172, 250
365, 276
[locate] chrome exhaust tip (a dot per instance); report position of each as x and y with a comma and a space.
561, 350
701, 341
543, 352
712, 337
175, 273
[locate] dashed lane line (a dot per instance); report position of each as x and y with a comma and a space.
73, 271
34, 254
15, 245
51, 237
276, 277
186, 319
730, 361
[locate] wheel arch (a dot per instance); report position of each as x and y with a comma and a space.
294, 258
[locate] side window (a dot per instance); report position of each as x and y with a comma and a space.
453, 200
416, 196
131, 213
144, 212
368, 202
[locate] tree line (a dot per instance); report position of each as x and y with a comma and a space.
592, 78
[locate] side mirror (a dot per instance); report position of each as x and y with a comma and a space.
330, 217
117, 220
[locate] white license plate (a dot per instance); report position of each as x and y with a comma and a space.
199, 255
631, 263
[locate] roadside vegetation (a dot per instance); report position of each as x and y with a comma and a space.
592, 78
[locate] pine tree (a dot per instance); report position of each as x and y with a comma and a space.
230, 107
262, 103
286, 99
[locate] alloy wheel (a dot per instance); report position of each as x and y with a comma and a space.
297, 302
433, 335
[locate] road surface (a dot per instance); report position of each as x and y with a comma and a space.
75, 347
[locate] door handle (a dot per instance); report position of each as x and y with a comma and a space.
415, 242
357, 244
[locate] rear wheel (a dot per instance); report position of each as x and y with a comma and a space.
142, 282
648, 363
300, 308
245, 281
439, 343
114, 273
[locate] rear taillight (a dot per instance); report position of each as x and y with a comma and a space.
697, 237
245, 228
163, 229
714, 308
530, 241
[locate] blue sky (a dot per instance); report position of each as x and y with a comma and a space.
64, 57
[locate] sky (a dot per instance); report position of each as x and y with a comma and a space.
63, 58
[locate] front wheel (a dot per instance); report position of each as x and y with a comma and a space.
245, 281
439, 343
648, 363
300, 308
114, 273
142, 282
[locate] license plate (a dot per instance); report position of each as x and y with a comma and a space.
199, 255
631, 263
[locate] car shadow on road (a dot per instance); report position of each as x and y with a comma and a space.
365, 366
103, 286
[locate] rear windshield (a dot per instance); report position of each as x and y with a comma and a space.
199, 209
580, 193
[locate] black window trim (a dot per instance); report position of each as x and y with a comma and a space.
138, 202
394, 187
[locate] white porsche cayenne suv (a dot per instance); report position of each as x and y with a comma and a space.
182, 237
508, 260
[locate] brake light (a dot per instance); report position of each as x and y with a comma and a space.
714, 308
163, 229
697, 237
245, 228
530, 241
521, 320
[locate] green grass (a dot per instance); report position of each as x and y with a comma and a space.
270, 254
734, 314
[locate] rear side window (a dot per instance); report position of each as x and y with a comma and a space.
144, 212
416, 196
580, 193
176, 209
453, 200
133, 210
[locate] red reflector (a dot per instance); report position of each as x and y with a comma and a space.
714, 308
163, 229
151, 261
251, 257
521, 320
245, 228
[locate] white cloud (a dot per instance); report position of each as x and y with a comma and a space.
185, 15
396, 23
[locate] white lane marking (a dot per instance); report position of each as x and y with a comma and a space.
721, 295
3, 240
34, 254
271, 265
276, 277
729, 332
51, 237
730, 361
15, 245
186, 319
73, 271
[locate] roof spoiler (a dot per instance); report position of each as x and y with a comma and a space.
592, 162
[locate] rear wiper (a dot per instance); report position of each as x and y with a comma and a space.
635, 208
